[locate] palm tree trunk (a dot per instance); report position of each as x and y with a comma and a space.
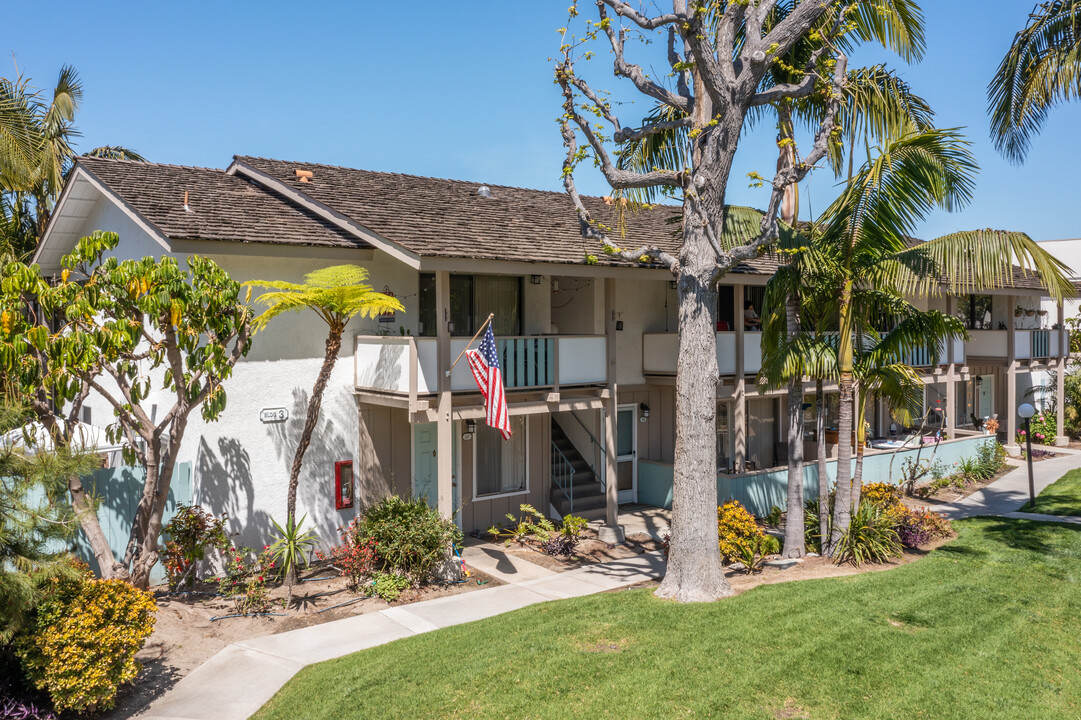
795, 544
315, 402
861, 443
842, 503
823, 474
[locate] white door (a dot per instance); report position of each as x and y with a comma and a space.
424, 466
985, 393
627, 453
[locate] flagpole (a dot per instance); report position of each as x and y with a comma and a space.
477, 335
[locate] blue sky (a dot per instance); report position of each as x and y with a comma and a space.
459, 89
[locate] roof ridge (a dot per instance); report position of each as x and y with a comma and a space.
475, 183
144, 163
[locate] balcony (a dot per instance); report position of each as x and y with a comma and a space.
409, 366
1028, 344
922, 358
661, 350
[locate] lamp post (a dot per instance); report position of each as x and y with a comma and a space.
1026, 411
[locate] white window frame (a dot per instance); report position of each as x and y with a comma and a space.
515, 493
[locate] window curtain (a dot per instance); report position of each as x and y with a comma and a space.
501, 464
502, 296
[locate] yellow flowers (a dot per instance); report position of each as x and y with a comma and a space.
84, 645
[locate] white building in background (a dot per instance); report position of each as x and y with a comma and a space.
1069, 252
587, 342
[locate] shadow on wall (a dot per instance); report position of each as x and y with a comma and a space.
334, 439
226, 485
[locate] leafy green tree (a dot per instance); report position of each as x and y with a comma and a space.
336, 294
33, 524
867, 230
110, 326
1041, 69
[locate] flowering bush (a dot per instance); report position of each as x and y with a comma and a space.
355, 557
188, 536
411, 538
83, 641
919, 527
738, 535
245, 579
1043, 426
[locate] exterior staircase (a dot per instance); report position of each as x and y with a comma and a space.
572, 476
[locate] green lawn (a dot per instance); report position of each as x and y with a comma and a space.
985, 627
1062, 497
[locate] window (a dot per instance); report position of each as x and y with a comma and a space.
724, 444
500, 466
472, 297
975, 311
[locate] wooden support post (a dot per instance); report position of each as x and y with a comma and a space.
1060, 380
739, 396
1011, 383
612, 531
444, 427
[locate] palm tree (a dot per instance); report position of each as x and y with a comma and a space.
36, 153
867, 229
336, 294
1041, 69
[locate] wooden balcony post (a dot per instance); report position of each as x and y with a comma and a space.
951, 377
1011, 378
444, 433
739, 395
611, 531
1060, 379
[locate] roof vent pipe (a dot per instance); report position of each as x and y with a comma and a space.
484, 192
187, 208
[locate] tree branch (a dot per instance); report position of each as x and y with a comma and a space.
646, 23
634, 72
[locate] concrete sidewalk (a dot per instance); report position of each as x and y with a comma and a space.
237, 681
1006, 495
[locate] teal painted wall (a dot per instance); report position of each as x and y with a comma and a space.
118, 490
761, 491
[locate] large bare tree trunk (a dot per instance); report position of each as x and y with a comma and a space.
694, 572
794, 532
823, 473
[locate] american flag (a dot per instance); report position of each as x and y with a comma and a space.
484, 362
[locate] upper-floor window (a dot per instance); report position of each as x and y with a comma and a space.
472, 297
975, 312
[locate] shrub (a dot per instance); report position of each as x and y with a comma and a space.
812, 531
82, 644
737, 533
563, 542
188, 536
355, 557
870, 537
881, 494
244, 580
1044, 428
411, 538
388, 586
918, 527
291, 547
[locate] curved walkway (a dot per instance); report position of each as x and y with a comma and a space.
1010, 492
238, 680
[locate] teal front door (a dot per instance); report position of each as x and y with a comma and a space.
425, 449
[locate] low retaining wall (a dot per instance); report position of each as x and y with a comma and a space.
760, 491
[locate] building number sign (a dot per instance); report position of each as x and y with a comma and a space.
273, 415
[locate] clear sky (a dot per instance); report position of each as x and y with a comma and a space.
458, 89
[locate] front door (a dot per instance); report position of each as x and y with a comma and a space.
425, 483
985, 393
626, 453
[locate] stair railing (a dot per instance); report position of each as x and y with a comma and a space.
563, 474
598, 447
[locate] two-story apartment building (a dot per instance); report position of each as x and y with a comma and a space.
587, 343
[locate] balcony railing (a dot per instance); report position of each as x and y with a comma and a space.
1028, 344
409, 366
660, 352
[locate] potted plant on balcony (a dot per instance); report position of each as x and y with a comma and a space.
1017, 311
1029, 312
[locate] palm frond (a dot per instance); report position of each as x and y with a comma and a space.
1041, 69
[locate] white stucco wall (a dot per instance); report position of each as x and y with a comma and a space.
241, 465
